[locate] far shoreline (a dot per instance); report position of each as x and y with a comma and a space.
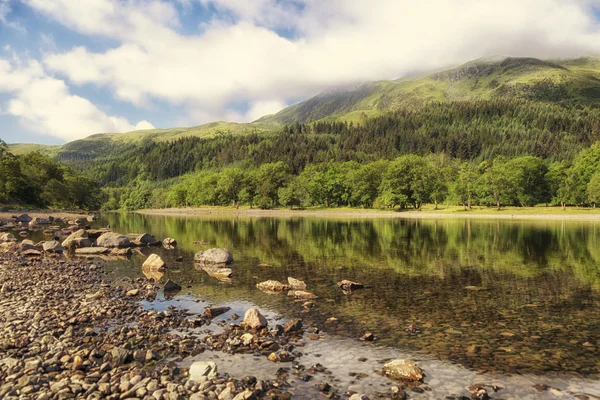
509, 213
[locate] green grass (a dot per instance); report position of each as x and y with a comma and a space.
24, 148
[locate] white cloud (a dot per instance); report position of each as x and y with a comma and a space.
337, 42
45, 105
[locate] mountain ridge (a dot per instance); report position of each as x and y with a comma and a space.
570, 81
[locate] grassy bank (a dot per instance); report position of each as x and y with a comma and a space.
429, 211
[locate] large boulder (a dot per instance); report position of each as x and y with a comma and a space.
77, 240
24, 218
112, 239
52, 246
27, 245
154, 263
202, 370
254, 319
146, 239
404, 370
7, 237
214, 256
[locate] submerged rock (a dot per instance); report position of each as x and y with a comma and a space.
121, 252
212, 312
301, 294
296, 284
349, 286
254, 319
154, 262
112, 239
214, 256
171, 286
272, 286
405, 370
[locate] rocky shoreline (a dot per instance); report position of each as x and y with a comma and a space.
67, 331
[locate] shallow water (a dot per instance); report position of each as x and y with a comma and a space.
499, 302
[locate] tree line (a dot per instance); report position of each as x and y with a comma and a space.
466, 130
408, 181
35, 179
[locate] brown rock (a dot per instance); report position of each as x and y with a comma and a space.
154, 262
272, 286
254, 319
405, 370
296, 284
292, 326
212, 312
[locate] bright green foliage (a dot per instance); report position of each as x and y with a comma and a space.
464, 187
293, 195
269, 179
364, 182
231, 181
497, 185
406, 182
38, 180
593, 189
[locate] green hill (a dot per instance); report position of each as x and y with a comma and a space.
569, 82
565, 81
24, 148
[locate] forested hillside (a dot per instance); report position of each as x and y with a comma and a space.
491, 132
36, 179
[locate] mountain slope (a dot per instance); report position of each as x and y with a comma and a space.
566, 81
101, 143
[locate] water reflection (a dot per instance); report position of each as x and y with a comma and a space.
490, 295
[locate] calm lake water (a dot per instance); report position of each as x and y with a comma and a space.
485, 297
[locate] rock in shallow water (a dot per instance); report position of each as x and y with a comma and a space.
171, 286
405, 370
272, 286
296, 284
214, 256
112, 239
349, 286
91, 250
154, 263
254, 319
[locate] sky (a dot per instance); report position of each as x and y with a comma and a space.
72, 68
